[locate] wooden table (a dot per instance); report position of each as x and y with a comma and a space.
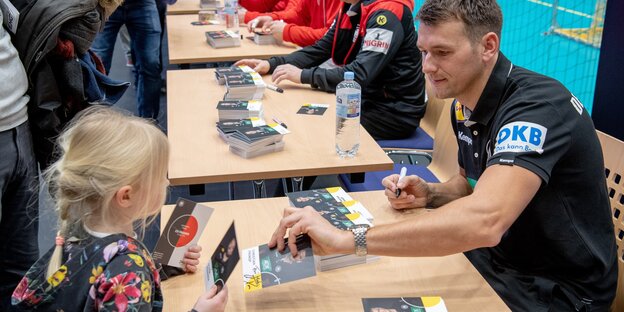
187, 44
198, 155
184, 7
452, 277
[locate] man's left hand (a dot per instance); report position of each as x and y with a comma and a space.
287, 72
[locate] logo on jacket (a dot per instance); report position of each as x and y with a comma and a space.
382, 20
462, 137
520, 136
377, 40
459, 112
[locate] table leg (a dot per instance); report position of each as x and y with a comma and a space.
259, 189
231, 190
297, 184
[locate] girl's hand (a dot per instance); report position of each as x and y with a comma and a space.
211, 301
191, 259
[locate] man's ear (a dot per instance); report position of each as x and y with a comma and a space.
124, 196
491, 45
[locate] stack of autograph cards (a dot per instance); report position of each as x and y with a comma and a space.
244, 86
337, 207
209, 4
261, 38
221, 72
183, 229
239, 109
223, 39
312, 109
229, 126
223, 260
256, 141
264, 267
404, 304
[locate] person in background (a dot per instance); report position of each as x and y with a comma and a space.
303, 23
111, 175
250, 9
141, 18
18, 174
529, 206
376, 40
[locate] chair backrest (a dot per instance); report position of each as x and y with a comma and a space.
444, 163
435, 106
613, 151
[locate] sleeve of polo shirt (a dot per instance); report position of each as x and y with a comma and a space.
533, 135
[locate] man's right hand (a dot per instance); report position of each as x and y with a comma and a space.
414, 191
260, 66
259, 22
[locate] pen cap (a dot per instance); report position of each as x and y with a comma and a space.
349, 75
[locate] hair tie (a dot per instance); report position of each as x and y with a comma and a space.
60, 241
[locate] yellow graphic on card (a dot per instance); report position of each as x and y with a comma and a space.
334, 189
349, 203
254, 283
353, 216
431, 301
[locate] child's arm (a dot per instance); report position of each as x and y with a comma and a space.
211, 301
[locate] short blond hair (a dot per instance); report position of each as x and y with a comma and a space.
101, 151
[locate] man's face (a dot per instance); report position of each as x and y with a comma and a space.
449, 60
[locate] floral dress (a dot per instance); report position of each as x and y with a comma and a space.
114, 273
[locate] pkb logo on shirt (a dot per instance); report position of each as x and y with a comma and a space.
520, 136
377, 40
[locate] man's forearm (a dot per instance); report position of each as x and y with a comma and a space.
442, 193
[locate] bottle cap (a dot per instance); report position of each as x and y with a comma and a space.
349, 75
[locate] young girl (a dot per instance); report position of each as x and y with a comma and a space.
111, 175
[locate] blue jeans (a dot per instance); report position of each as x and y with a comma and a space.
141, 19
19, 209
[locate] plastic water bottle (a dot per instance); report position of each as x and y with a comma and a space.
348, 106
231, 14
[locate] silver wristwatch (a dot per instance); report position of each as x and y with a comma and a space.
359, 233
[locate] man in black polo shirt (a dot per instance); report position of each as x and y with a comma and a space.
529, 206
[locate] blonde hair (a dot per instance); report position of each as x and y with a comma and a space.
101, 151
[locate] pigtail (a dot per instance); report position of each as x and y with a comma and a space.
57, 256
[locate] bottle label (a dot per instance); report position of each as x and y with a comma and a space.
348, 105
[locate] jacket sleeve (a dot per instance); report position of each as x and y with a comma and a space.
288, 10
309, 56
382, 40
303, 36
282, 4
296, 13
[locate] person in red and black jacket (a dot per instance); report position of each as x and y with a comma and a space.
376, 40
263, 6
251, 9
303, 23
